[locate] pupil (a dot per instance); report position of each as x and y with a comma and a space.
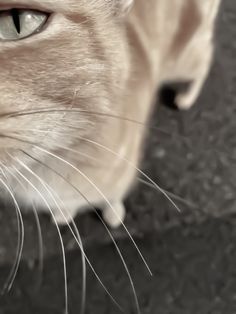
16, 19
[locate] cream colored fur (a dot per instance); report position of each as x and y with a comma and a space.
95, 59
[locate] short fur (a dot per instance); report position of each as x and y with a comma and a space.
98, 60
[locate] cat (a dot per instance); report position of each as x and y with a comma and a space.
78, 82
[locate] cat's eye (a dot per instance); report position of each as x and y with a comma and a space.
16, 24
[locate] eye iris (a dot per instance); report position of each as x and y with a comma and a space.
16, 19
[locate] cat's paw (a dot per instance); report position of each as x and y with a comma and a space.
185, 101
114, 216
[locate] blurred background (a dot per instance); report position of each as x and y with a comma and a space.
192, 254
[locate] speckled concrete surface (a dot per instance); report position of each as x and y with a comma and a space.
192, 253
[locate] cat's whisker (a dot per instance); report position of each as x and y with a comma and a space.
13, 137
152, 182
58, 230
20, 242
102, 221
170, 196
83, 260
174, 196
102, 195
64, 147
130, 164
133, 166
24, 141
90, 113
40, 237
67, 223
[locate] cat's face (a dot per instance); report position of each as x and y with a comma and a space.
72, 58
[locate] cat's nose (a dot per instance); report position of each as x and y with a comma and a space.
170, 90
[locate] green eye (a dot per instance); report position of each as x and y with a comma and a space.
16, 24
